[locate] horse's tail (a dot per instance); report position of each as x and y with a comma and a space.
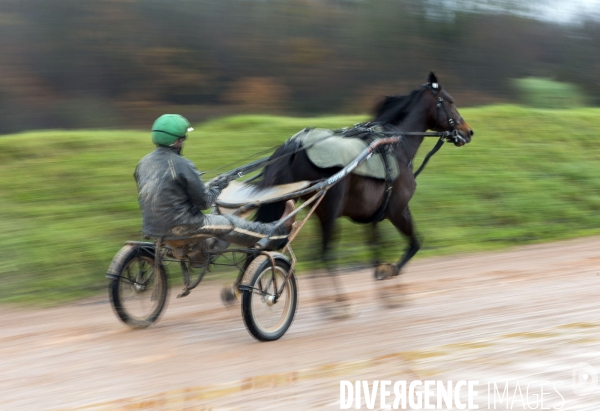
278, 171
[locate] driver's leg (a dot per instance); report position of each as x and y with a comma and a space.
236, 230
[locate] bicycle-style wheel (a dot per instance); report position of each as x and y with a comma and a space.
268, 309
138, 292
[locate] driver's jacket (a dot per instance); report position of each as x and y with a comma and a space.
171, 192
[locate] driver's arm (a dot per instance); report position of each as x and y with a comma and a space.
199, 194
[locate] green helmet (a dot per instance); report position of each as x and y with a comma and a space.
169, 128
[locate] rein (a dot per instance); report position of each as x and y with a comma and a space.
255, 165
361, 129
434, 150
368, 127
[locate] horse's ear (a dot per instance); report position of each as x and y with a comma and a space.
433, 81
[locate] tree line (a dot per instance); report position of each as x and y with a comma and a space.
120, 63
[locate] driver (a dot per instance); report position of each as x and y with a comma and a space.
172, 195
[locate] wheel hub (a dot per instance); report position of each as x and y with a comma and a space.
270, 300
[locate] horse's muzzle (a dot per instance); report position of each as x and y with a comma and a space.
462, 137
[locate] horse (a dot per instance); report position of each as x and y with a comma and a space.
363, 199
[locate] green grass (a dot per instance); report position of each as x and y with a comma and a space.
68, 199
548, 93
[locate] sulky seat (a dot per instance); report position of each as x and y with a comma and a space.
239, 194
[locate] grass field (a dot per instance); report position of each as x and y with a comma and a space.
68, 199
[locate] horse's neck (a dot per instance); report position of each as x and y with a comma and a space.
411, 144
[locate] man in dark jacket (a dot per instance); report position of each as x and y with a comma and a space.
172, 195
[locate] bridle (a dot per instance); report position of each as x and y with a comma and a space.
455, 136
452, 136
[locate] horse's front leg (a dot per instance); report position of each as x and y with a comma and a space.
382, 271
375, 243
404, 223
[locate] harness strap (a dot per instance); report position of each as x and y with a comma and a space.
434, 150
380, 213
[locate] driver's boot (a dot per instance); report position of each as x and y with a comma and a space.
290, 207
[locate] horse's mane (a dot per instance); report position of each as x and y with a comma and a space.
394, 109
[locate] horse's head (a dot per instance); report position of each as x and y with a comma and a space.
429, 107
443, 115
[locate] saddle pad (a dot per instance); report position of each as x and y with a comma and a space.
327, 149
238, 194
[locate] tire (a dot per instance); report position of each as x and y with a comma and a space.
137, 293
264, 320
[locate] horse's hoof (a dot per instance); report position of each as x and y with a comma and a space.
385, 271
228, 295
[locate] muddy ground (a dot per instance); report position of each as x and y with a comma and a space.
514, 319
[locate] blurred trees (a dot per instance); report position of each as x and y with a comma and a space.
120, 63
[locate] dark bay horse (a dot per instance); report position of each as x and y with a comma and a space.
360, 198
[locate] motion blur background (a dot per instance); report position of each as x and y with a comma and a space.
81, 82
120, 63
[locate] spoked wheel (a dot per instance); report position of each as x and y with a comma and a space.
138, 292
266, 314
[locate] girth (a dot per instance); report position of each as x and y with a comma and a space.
365, 133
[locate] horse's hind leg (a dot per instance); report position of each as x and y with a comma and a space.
328, 211
340, 307
328, 258
404, 223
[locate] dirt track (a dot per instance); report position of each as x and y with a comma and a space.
523, 316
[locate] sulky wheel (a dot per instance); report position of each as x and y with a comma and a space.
138, 292
268, 317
